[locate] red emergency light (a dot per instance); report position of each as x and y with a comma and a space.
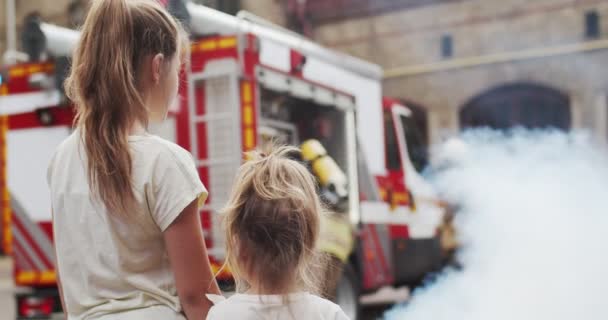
34, 307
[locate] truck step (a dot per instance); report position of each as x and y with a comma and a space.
7, 298
386, 295
6, 273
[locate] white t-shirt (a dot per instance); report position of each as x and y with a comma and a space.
110, 268
299, 306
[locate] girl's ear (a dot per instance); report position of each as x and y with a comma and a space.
157, 63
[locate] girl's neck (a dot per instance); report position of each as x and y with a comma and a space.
137, 129
259, 291
256, 289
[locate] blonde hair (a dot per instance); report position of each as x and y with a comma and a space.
272, 223
105, 87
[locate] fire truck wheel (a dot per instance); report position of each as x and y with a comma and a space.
347, 293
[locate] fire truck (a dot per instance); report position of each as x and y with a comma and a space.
247, 81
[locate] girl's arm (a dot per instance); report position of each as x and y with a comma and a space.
190, 263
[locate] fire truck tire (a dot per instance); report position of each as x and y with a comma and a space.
347, 293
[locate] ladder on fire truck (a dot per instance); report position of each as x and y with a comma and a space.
215, 139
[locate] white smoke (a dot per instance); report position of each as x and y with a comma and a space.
533, 224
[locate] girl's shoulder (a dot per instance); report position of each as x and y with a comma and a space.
149, 142
69, 144
163, 153
67, 149
328, 306
225, 308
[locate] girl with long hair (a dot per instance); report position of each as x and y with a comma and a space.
125, 203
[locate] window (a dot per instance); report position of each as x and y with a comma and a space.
393, 161
446, 46
227, 6
416, 147
592, 25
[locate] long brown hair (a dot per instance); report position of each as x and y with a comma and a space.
272, 222
103, 84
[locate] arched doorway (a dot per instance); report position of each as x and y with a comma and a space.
527, 105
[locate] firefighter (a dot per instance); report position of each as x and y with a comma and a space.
332, 180
336, 238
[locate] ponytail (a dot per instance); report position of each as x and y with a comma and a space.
103, 84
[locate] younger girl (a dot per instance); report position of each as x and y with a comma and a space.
272, 225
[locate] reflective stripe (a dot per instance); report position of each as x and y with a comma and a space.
26, 70
21, 261
48, 277
33, 277
247, 116
40, 239
26, 277
214, 44
207, 45
227, 43
28, 250
6, 241
17, 72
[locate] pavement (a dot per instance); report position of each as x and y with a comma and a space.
7, 302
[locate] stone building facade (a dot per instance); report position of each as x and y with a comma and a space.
445, 55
